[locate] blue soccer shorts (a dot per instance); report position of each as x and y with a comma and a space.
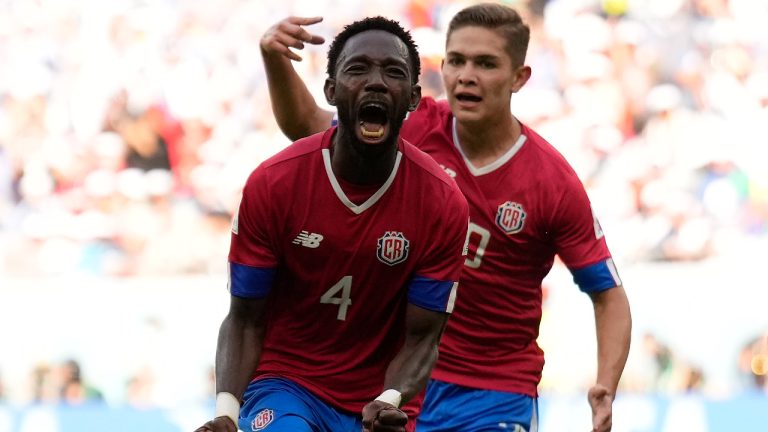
453, 408
280, 405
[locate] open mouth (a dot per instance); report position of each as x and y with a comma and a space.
373, 120
464, 97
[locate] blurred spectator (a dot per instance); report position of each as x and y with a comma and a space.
73, 390
753, 363
667, 372
662, 360
139, 391
62, 383
42, 385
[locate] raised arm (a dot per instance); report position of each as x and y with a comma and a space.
613, 323
409, 371
237, 355
295, 109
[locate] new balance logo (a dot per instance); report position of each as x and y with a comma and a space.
307, 239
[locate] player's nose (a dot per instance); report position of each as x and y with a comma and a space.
375, 81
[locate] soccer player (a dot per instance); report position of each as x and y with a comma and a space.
344, 262
526, 206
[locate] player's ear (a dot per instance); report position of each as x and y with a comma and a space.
413, 103
522, 74
330, 91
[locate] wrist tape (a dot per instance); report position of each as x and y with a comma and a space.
391, 396
227, 405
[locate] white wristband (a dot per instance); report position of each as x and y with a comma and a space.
227, 405
391, 396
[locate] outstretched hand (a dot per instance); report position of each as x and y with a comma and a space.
219, 424
601, 402
289, 33
380, 416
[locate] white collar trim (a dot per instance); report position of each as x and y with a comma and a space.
357, 209
495, 164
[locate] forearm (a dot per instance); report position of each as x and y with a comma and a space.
409, 371
613, 323
294, 107
237, 355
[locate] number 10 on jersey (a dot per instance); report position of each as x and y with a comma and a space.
479, 236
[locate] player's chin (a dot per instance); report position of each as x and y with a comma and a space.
469, 117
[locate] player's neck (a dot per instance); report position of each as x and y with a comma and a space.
360, 164
483, 143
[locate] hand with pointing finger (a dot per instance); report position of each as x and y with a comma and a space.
289, 33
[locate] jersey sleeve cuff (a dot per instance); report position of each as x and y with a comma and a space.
250, 282
431, 294
597, 277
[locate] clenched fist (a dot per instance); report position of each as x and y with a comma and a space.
380, 416
219, 424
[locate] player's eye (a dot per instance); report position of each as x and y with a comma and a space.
354, 69
455, 61
396, 72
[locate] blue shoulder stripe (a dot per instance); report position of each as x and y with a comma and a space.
250, 282
597, 277
432, 294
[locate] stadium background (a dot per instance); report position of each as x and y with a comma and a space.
128, 127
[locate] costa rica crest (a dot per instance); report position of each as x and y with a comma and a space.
262, 419
392, 248
510, 217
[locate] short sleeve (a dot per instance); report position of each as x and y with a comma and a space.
580, 241
252, 256
435, 284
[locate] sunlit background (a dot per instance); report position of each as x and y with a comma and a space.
127, 129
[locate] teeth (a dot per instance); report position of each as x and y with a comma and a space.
376, 105
372, 134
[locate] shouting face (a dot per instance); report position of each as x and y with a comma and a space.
373, 88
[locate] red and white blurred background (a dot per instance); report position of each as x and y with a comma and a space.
128, 127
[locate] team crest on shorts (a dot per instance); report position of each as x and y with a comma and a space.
392, 248
510, 217
262, 419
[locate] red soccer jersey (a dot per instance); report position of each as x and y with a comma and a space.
525, 208
338, 274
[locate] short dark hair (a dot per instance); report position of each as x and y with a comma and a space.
374, 23
496, 17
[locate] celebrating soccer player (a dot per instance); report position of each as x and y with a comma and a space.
526, 206
344, 261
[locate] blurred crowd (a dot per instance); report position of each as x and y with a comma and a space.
64, 383
128, 127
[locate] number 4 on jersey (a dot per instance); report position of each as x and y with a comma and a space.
345, 286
